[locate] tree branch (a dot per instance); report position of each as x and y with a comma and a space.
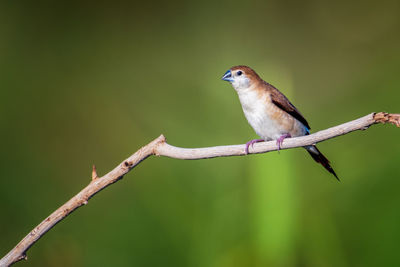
159, 147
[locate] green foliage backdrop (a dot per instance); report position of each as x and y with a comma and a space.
89, 83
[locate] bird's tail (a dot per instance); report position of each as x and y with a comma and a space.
318, 157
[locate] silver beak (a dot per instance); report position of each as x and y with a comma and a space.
227, 76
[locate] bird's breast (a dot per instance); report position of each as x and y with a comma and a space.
268, 120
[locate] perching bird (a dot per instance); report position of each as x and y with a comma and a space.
269, 112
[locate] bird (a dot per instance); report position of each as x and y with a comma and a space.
269, 112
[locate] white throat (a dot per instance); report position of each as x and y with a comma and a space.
241, 83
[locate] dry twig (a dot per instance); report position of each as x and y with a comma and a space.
159, 147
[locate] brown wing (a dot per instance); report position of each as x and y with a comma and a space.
283, 103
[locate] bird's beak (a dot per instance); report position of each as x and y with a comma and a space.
227, 76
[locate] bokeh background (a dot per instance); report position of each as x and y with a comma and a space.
90, 83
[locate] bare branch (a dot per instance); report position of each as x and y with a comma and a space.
159, 147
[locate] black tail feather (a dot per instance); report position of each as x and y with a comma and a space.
318, 157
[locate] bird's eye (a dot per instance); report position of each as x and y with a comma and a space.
239, 73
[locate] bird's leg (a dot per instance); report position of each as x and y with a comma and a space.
279, 141
251, 143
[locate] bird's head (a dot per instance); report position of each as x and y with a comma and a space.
241, 77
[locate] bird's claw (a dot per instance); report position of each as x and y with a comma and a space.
279, 141
251, 143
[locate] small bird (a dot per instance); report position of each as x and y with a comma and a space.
269, 112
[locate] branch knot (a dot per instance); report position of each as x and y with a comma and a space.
159, 141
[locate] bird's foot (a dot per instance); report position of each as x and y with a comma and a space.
279, 141
251, 143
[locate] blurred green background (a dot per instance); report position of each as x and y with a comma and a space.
90, 83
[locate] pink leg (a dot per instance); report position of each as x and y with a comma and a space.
279, 141
250, 143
